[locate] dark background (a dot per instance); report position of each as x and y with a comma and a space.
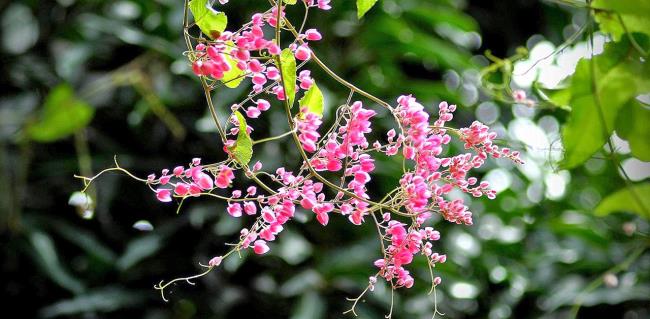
522, 258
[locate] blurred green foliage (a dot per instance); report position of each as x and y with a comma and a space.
538, 250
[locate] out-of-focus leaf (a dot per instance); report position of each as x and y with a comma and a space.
288, 70
47, 258
86, 240
615, 16
310, 306
313, 100
211, 22
632, 125
364, 6
558, 97
243, 148
439, 15
139, 249
398, 38
62, 115
627, 200
301, 283
293, 248
97, 24
613, 296
290, 1
619, 77
347, 259
103, 300
19, 28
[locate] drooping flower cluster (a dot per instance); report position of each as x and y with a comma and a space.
272, 198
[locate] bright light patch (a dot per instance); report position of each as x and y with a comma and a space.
532, 136
556, 184
550, 69
499, 179
463, 290
636, 169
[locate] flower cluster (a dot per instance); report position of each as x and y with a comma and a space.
271, 198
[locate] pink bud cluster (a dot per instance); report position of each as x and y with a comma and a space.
190, 181
404, 243
246, 50
424, 189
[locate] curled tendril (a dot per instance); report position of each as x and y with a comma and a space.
160, 286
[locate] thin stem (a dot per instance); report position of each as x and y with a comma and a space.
273, 138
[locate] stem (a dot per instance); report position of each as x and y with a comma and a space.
273, 138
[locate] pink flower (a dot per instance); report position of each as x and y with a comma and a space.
215, 261
234, 209
262, 104
181, 189
303, 52
204, 181
250, 208
260, 247
313, 35
324, 4
253, 112
164, 195
308, 127
305, 79
225, 177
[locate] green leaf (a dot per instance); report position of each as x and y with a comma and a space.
557, 97
632, 125
627, 200
47, 258
310, 306
619, 77
210, 21
313, 100
288, 71
235, 75
243, 148
433, 16
290, 1
364, 6
102, 300
139, 249
62, 115
615, 16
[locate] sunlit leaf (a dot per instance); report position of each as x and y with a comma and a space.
62, 115
364, 6
437, 15
210, 21
619, 77
632, 125
635, 199
617, 17
243, 148
313, 100
288, 70
290, 1
235, 75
